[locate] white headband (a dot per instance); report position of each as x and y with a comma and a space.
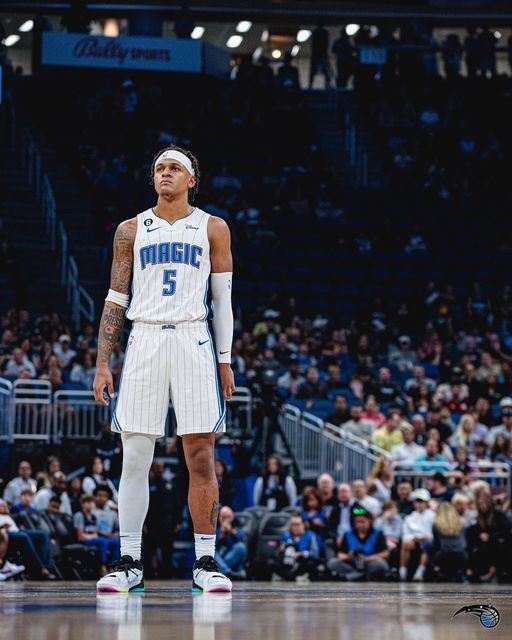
172, 154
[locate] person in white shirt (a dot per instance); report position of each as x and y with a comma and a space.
360, 493
406, 452
58, 488
18, 364
417, 534
63, 350
24, 480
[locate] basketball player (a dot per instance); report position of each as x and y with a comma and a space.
171, 256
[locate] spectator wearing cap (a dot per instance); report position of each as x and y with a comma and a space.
56, 490
312, 388
341, 414
363, 553
290, 382
432, 460
438, 487
407, 451
390, 435
360, 492
404, 357
372, 412
417, 535
19, 364
63, 350
23, 481
357, 426
506, 422
384, 389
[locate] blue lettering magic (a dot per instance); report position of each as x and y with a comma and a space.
166, 252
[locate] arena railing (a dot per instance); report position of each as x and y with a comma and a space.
6, 410
30, 410
319, 447
497, 474
82, 304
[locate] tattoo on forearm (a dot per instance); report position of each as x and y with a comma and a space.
112, 322
214, 513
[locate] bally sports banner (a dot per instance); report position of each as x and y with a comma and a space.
124, 52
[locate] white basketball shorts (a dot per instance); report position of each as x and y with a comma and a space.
169, 362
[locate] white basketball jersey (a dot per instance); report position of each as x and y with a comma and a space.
171, 269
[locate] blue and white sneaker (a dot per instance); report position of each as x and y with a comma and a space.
208, 578
9, 570
126, 575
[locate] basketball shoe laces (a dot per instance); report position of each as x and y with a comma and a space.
126, 564
207, 563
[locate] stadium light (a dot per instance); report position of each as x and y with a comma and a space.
111, 28
243, 26
276, 54
197, 33
497, 34
26, 26
295, 50
10, 40
303, 35
234, 41
352, 29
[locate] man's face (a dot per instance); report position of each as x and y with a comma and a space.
355, 412
408, 435
59, 485
25, 470
325, 483
344, 493
403, 491
172, 179
419, 424
4, 509
26, 499
313, 375
101, 499
361, 524
431, 448
384, 375
393, 422
359, 489
507, 418
340, 404
296, 527
419, 373
18, 356
420, 505
226, 515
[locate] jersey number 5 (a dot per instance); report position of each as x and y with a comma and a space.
169, 274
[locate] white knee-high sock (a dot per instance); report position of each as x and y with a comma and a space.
138, 449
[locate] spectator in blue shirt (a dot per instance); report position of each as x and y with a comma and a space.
314, 514
231, 552
432, 460
24, 503
363, 552
298, 552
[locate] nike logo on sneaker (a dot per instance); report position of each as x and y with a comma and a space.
203, 342
151, 230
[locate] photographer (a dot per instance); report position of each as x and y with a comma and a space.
363, 553
298, 553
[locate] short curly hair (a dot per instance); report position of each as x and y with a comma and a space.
192, 192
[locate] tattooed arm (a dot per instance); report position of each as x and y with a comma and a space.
112, 319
